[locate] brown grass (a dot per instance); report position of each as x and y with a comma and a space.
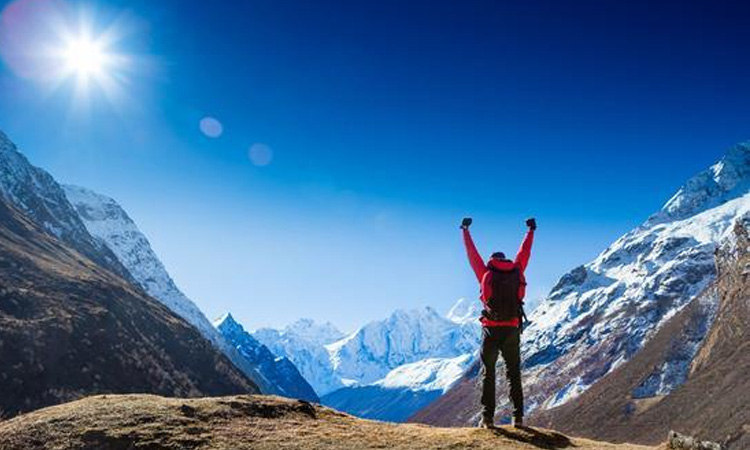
249, 422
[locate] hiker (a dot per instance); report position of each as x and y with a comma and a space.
502, 289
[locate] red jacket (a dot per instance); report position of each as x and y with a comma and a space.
482, 272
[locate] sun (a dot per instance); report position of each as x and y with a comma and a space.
90, 63
85, 57
66, 48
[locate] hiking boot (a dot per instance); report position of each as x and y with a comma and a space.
518, 422
486, 422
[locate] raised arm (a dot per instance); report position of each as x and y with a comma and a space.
475, 259
524, 253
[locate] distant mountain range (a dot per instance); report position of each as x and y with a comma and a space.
601, 314
387, 369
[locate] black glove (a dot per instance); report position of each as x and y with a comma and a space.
465, 223
531, 223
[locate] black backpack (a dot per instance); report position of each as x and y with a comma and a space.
504, 304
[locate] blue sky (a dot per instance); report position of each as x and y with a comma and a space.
387, 121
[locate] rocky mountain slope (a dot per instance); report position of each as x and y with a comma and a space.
69, 328
691, 376
272, 367
600, 314
114, 230
34, 192
250, 422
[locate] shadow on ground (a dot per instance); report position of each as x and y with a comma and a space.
548, 440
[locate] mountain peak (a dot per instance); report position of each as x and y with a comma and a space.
727, 179
227, 323
464, 311
313, 331
414, 314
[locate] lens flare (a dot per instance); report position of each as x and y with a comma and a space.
211, 127
260, 155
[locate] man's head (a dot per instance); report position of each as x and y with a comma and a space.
498, 255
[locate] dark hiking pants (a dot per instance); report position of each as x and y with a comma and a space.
505, 340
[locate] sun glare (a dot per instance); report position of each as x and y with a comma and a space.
90, 61
85, 57
62, 46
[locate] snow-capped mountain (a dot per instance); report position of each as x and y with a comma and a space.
600, 314
431, 374
271, 366
691, 375
397, 366
40, 197
111, 226
371, 352
303, 342
725, 180
464, 311
387, 369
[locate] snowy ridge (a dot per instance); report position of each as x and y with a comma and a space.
600, 314
111, 225
727, 179
113, 228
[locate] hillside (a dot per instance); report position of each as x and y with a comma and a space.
249, 422
69, 328
714, 390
